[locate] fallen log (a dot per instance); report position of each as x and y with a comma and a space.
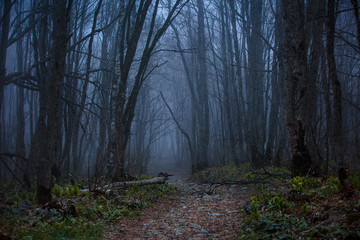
215, 184
155, 180
106, 189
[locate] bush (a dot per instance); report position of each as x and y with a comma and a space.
57, 191
304, 183
330, 188
71, 191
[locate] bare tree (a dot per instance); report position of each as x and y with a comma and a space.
124, 103
54, 81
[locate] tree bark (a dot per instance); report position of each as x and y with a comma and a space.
226, 84
295, 77
20, 131
40, 43
336, 84
240, 102
256, 85
5, 23
314, 27
54, 81
202, 90
276, 79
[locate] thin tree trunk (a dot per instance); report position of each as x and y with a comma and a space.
40, 55
20, 129
76, 153
124, 108
226, 84
240, 103
5, 23
202, 89
336, 84
69, 154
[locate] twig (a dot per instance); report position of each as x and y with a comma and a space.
12, 155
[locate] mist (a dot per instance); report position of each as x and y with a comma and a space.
113, 89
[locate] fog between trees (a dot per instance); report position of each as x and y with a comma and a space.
117, 88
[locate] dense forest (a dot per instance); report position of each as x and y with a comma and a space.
107, 89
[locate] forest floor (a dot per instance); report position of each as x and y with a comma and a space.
191, 214
264, 204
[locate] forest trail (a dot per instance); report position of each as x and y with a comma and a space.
192, 214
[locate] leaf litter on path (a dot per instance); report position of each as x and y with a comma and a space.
192, 214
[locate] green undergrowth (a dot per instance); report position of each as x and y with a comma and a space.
231, 172
223, 172
302, 208
290, 208
74, 213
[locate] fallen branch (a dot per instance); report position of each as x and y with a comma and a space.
155, 180
215, 184
267, 173
12, 155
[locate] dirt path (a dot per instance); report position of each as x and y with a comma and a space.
191, 215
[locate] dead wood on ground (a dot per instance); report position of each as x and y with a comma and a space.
116, 185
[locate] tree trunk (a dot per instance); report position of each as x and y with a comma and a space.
239, 101
226, 84
5, 22
295, 78
40, 43
315, 11
202, 89
336, 84
256, 83
123, 101
49, 150
105, 63
70, 151
20, 129
76, 153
